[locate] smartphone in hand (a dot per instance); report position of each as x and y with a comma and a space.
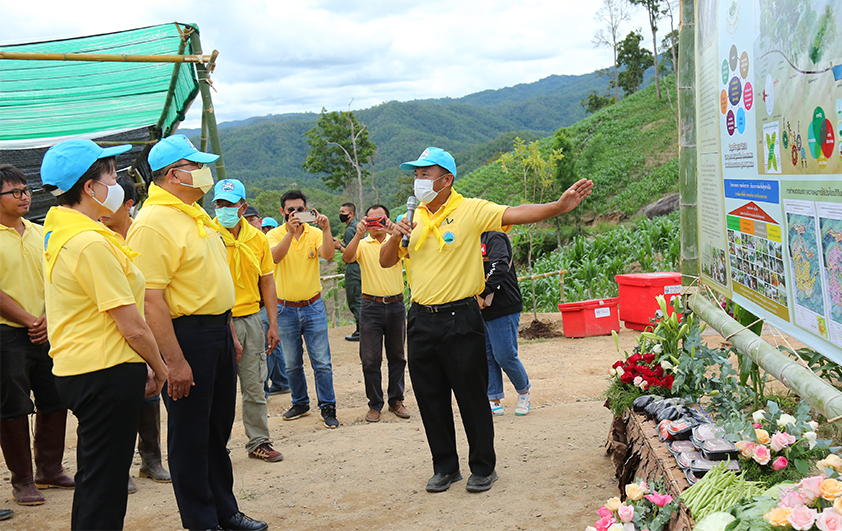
378, 223
306, 216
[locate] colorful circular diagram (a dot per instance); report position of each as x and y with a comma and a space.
730, 122
829, 139
732, 58
744, 65
785, 140
769, 94
821, 137
741, 120
723, 101
748, 96
794, 155
735, 91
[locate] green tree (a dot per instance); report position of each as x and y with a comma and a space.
527, 164
595, 102
340, 147
635, 59
669, 48
611, 14
655, 10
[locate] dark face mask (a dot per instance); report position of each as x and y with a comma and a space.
343, 218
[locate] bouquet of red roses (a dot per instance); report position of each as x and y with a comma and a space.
641, 370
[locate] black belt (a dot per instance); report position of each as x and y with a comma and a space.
299, 304
436, 308
223, 318
385, 300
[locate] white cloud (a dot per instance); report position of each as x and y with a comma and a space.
302, 55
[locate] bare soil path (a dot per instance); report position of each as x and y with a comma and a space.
553, 470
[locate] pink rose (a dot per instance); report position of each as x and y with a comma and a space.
779, 463
637, 380
761, 454
781, 440
802, 518
645, 487
659, 499
792, 499
604, 523
829, 520
626, 513
757, 425
811, 488
746, 448
604, 511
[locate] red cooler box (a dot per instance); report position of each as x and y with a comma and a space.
596, 317
637, 296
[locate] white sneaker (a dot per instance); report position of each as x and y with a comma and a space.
496, 408
523, 404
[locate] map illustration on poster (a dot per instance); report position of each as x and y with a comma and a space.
769, 122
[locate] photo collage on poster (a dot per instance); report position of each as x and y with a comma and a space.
757, 264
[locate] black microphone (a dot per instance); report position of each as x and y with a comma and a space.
411, 205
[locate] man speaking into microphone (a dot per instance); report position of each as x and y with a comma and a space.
445, 334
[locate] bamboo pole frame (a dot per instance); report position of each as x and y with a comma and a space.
208, 116
687, 184
106, 58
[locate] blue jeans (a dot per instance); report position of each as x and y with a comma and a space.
501, 353
310, 324
274, 361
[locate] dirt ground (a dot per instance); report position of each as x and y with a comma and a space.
553, 470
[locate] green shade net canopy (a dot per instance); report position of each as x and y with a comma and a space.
45, 102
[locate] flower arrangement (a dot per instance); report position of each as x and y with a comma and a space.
642, 371
644, 509
813, 503
777, 441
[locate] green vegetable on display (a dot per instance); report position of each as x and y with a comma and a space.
718, 490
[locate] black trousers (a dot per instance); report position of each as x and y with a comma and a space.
382, 323
25, 369
199, 426
353, 288
446, 352
107, 405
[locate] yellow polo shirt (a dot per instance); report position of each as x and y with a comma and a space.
22, 268
376, 280
455, 272
248, 296
89, 278
191, 269
297, 275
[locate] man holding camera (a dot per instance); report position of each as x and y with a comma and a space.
296, 248
382, 313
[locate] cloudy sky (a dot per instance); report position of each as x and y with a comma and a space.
302, 55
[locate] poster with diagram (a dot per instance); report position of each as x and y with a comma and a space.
768, 124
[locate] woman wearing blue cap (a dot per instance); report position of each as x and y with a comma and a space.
94, 297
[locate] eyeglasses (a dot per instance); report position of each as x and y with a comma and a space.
17, 193
290, 210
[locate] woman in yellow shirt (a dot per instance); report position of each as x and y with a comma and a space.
100, 341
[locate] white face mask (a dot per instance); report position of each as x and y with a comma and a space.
114, 199
202, 179
424, 189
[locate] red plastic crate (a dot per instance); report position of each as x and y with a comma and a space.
596, 317
637, 296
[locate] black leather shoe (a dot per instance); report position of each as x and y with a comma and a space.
480, 483
441, 482
217, 528
5, 514
240, 522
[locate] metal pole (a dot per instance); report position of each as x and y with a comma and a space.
207, 106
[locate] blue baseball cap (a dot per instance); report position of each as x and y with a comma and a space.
270, 222
174, 148
65, 163
230, 190
430, 157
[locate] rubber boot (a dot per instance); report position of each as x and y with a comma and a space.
14, 438
149, 444
49, 449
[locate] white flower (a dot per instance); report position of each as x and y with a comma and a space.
620, 371
657, 349
616, 527
758, 415
811, 438
813, 425
590, 528
612, 372
666, 365
628, 527
786, 420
